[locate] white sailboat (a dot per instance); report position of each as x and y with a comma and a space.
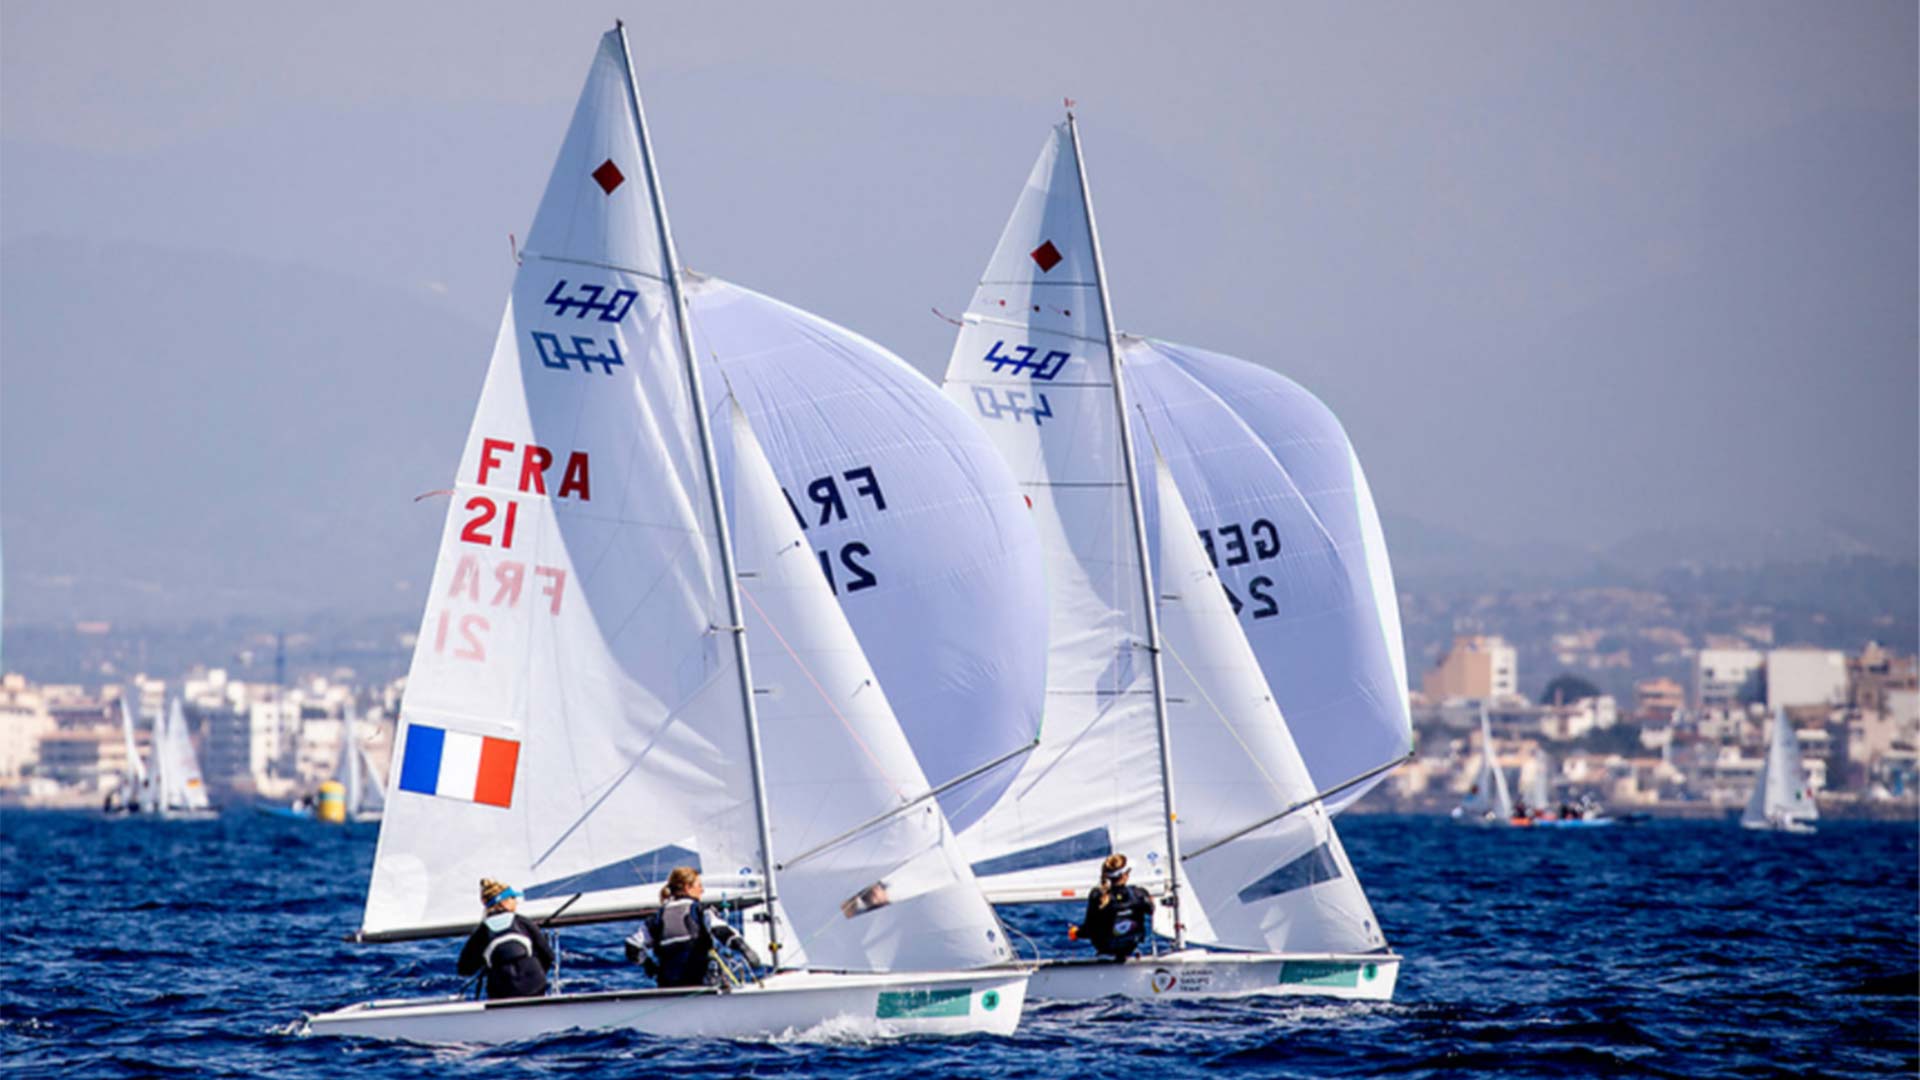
360, 783
174, 787
1782, 799
1151, 685
1536, 783
1489, 801
131, 794
628, 664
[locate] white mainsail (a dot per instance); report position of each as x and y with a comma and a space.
1285, 512
1489, 795
180, 785
1032, 365
134, 778
1537, 787
914, 519
1264, 878
1781, 796
574, 720
355, 771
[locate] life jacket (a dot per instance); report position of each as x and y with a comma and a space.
682, 942
1119, 925
513, 969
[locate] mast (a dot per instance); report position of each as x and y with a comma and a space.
1147, 597
737, 627
351, 749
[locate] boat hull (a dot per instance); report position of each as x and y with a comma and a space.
1787, 825
791, 1003
1198, 973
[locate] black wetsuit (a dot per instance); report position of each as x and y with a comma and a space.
516, 958
681, 939
1122, 924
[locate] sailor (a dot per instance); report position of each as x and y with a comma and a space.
1119, 915
512, 951
675, 943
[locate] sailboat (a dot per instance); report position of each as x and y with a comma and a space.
632, 661
130, 796
347, 797
1152, 686
1489, 801
360, 800
1584, 813
175, 788
1782, 799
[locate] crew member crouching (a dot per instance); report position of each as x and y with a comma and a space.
679, 937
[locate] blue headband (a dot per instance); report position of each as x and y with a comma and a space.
509, 893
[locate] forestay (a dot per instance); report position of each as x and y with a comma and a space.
1031, 364
912, 517
1289, 523
1288, 884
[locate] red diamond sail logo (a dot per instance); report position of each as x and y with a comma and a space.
1046, 256
608, 176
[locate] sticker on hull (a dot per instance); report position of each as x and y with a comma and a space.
923, 1004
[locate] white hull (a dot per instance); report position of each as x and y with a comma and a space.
1198, 973
1785, 825
164, 815
790, 1003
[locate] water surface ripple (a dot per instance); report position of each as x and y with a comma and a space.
1686, 949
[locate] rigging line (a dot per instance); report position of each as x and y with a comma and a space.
903, 808
1160, 463
1321, 797
822, 691
1224, 722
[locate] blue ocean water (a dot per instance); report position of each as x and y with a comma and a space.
147, 948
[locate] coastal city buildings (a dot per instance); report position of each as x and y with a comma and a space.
64, 746
1680, 729
1477, 667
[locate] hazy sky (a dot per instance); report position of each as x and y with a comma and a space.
1568, 273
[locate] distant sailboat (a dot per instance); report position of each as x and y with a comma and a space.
130, 795
1536, 783
631, 661
360, 783
175, 788
1782, 799
1489, 801
1152, 687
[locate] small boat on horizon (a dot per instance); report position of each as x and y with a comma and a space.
1782, 799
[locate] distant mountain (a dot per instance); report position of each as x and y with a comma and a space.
187, 435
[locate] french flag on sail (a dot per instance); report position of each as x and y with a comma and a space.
456, 765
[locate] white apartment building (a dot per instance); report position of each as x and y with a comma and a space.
1806, 676
1720, 675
